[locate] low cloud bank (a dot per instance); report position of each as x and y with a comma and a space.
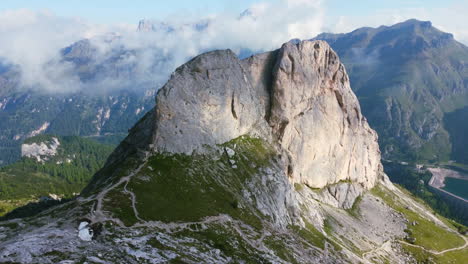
122, 57
116, 57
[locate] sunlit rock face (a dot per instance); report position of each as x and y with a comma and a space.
210, 100
317, 119
298, 97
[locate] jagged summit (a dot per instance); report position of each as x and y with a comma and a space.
146, 25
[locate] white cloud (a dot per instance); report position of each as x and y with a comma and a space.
452, 19
33, 40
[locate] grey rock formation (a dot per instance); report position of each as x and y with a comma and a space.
318, 121
207, 101
410, 107
145, 26
40, 151
298, 97
341, 195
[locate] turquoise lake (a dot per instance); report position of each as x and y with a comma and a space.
457, 186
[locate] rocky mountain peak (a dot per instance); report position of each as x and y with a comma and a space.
241, 161
411, 38
298, 98
414, 23
155, 26
317, 118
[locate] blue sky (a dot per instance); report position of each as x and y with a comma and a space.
124, 11
112, 11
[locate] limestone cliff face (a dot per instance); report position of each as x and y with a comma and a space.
318, 121
41, 151
209, 100
298, 97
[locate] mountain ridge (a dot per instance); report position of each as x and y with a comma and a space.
407, 77
174, 124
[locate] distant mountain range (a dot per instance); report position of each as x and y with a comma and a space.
112, 87
113, 95
412, 82
106, 118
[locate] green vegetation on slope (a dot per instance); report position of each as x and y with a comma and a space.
314, 236
226, 239
276, 243
456, 125
452, 257
78, 114
423, 232
200, 189
179, 187
63, 174
120, 204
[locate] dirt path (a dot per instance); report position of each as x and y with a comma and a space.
98, 214
387, 244
133, 196
384, 245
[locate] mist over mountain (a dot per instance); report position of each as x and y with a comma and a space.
412, 82
149, 51
405, 102
98, 81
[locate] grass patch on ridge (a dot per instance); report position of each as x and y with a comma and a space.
180, 187
427, 234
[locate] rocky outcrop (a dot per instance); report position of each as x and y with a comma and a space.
40, 151
208, 101
145, 26
318, 121
298, 97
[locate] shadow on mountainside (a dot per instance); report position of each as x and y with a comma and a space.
32, 209
457, 126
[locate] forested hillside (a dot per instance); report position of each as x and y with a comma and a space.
63, 174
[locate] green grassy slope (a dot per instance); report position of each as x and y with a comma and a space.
426, 241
